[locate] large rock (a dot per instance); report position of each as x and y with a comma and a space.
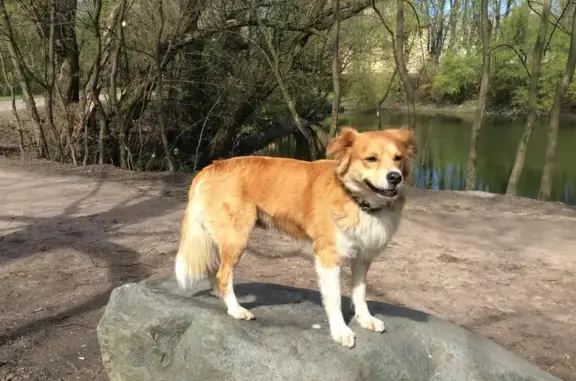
154, 331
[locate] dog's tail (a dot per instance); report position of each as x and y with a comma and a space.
197, 256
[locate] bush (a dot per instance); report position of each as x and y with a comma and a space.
366, 88
456, 80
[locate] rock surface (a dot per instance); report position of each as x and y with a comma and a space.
154, 331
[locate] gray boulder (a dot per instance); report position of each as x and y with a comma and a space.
153, 331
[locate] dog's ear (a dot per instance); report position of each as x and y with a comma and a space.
405, 137
340, 148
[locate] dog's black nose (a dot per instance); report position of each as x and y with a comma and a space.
394, 178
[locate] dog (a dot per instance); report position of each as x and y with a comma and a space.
346, 208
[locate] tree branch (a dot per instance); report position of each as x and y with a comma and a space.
522, 58
556, 25
550, 21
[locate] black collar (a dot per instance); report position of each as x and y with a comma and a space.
366, 206
363, 204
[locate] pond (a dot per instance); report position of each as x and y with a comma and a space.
443, 152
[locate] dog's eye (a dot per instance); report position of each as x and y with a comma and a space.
371, 159
397, 157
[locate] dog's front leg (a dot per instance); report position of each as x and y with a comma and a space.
360, 268
328, 269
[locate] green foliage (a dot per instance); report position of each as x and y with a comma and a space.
456, 79
365, 88
342, 121
510, 81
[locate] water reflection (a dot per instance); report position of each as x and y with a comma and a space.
443, 151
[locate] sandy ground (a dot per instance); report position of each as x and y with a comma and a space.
505, 268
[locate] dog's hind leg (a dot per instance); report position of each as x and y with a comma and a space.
232, 234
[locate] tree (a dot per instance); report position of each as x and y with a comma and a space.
120, 122
18, 124
24, 82
452, 23
272, 58
160, 87
482, 97
335, 67
401, 64
398, 49
533, 99
561, 89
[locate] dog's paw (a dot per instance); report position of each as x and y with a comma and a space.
369, 322
344, 336
241, 313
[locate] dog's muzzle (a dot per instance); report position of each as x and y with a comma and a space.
391, 191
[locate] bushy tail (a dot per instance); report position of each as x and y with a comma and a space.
197, 256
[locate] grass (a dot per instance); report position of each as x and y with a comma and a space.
9, 98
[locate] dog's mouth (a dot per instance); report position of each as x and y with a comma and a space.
388, 192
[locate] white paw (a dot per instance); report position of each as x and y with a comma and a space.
241, 313
371, 323
344, 336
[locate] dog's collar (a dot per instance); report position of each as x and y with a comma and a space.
363, 204
366, 206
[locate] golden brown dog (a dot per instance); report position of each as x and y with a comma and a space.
346, 209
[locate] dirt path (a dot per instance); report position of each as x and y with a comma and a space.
504, 268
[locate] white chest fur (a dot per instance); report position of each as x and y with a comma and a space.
370, 236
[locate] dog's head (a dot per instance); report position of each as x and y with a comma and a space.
374, 163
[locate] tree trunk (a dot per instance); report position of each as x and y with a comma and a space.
18, 65
93, 84
113, 92
401, 64
385, 96
452, 22
275, 66
8, 82
67, 52
50, 81
482, 96
438, 36
398, 43
561, 89
335, 67
160, 89
102, 124
497, 16
222, 143
472, 31
508, 6
532, 101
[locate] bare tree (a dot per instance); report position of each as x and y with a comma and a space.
436, 35
561, 89
452, 22
160, 89
203, 57
51, 81
119, 122
66, 52
19, 68
508, 6
18, 127
482, 97
497, 17
385, 96
401, 64
398, 43
335, 67
272, 58
91, 91
532, 101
